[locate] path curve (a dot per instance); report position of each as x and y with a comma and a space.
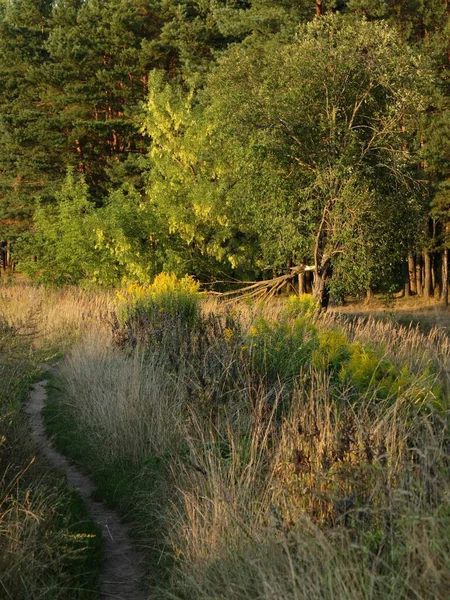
123, 565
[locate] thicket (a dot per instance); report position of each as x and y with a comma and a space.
268, 452
224, 139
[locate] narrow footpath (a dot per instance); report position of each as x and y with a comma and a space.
122, 569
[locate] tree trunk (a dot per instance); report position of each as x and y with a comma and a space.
321, 291
437, 275
412, 274
427, 275
419, 275
3, 255
319, 8
8, 255
434, 282
445, 277
301, 284
369, 296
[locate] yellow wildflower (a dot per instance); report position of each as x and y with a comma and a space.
228, 334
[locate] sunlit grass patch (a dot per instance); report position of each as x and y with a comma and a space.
48, 545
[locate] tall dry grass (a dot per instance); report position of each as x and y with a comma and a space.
59, 316
277, 488
45, 536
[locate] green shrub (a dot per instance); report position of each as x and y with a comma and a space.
301, 306
167, 295
281, 349
333, 349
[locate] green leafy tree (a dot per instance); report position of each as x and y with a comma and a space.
73, 242
188, 188
308, 151
60, 249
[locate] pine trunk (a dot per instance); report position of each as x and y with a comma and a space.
406, 288
3, 256
419, 288
412, 274
8, 255
445, 277
434, 282
427, 275
319, 8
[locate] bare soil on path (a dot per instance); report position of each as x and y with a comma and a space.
122, 569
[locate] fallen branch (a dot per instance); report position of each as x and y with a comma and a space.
263, 290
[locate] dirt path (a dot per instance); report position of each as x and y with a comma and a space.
122, 568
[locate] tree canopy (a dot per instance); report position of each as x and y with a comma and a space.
227, 139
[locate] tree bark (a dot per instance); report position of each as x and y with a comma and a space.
445, 277
412, 274
427, 275
301, 284
8, 255
319, 8
320, 287
419, 275
434, 282
3, 255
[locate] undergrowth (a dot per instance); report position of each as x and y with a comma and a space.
49, 548
268, 453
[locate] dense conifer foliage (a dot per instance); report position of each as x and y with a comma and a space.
226, 138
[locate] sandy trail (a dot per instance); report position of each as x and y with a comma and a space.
122, 568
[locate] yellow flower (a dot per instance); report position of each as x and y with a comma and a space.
244, 348
228, 334
253, 331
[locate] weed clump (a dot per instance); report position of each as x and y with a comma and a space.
145, 311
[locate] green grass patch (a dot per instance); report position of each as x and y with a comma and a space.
130, 488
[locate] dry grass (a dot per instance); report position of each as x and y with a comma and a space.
269, 487
44, 534
274, 490
125, 402
417, 311
60, 316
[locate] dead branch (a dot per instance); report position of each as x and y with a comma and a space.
263, 290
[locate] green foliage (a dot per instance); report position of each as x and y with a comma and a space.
302, 158
167, 295
301, 306
333, 350
61, 248
75, 243
281, 348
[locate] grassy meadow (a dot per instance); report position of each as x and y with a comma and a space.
265, 452
48, 546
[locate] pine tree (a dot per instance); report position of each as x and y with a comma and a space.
29, 157
96, 76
